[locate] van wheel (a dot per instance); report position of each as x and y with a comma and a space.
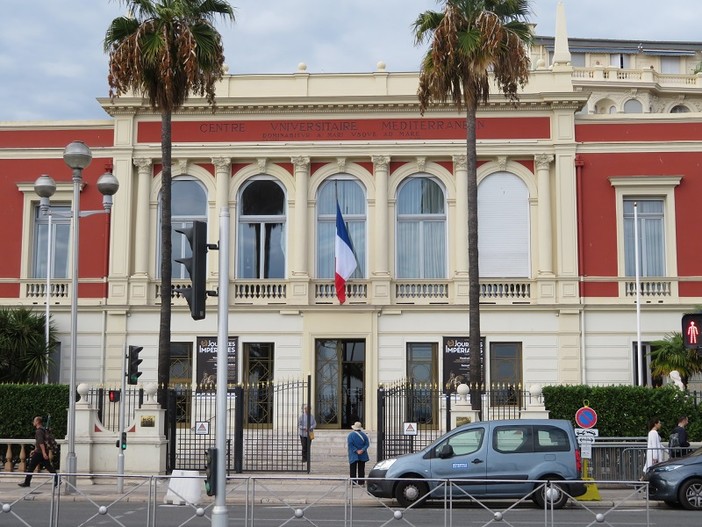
690, 494
556, 495
409, 492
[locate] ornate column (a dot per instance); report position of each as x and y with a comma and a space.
545, 240
460, 172
381, 165
299, 230
141, 233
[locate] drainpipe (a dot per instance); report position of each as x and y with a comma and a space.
579, 163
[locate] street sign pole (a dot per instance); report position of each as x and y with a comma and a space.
219, 511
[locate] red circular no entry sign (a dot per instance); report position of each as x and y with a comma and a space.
586, 417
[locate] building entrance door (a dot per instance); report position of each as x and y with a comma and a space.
339, 382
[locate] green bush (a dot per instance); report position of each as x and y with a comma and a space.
624, 411
21, 403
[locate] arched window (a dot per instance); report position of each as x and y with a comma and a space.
352, 201
261, 239
503, 226
633, 106
421, 229
679, 108
188, 204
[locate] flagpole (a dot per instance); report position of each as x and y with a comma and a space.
639, 353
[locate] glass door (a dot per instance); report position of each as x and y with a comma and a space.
339, 382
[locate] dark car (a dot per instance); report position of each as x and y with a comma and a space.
677, 481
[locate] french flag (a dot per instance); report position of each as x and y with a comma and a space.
344, 259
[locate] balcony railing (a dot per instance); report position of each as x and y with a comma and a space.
422, 292
59, 290
617, 75
497, 291
649, 288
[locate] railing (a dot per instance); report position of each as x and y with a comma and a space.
613, 75
59, 290
260, 292
501, 290
332, 501
650, 288
14, 454
422, 292
325, 292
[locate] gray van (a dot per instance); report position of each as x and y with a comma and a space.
500, 458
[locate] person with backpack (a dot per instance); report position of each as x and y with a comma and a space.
40, 454
358, 444
678, 442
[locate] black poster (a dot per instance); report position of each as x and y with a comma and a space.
207, 362
457, 362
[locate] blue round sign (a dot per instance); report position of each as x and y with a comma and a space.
586, 417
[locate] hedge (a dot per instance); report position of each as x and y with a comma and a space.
624, 411
21, 403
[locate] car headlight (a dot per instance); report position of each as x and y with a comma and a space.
384, 464
667, 468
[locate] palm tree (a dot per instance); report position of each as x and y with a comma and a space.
165, 50
24, 355
472, 41
671, 354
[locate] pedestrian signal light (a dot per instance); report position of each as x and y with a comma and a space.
114, 396
133, 362
124, 441
691, 328
211, 472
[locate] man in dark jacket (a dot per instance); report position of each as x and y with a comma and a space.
40, 454
678, 437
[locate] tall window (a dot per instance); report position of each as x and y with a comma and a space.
261, 240
651, 230
505, 372
181, 374
60, 242
503, 226
421, 229
352, 202
258, 375
422, 372
188, 203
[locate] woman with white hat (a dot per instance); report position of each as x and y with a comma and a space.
358, 444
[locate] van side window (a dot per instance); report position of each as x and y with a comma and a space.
513, 439
467, 442
551, 439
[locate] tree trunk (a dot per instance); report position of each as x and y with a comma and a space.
164, 330
476, 376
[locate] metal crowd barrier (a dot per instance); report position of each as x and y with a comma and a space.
267, 501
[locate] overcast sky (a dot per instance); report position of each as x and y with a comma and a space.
52, 66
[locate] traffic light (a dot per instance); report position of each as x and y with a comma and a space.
196, 294
211, 472
133, 362
124, 441
114, 395
691, 328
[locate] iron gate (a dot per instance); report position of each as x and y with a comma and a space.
406, 404
262, 431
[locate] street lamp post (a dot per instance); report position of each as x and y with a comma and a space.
77, 156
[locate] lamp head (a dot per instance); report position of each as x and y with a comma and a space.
45, 186
77, 155
108, 185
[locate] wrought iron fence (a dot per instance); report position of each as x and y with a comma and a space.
108, 406
410, 417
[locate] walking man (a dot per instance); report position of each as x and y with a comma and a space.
40, 454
